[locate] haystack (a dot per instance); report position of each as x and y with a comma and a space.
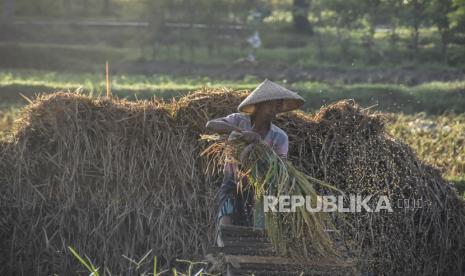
111, 177
107, 177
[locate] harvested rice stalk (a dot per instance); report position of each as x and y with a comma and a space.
298, 234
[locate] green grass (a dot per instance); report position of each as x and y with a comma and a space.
459, 183
30, 82
432, 98
182, 267
119, 82
438, 140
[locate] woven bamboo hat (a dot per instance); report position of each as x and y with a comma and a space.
269, 91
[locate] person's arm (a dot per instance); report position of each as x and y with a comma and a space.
222, 126
228, 124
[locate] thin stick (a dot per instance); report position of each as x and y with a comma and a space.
107, 75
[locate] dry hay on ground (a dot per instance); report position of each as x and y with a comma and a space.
111, 177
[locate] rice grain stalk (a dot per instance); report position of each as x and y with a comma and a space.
299, 234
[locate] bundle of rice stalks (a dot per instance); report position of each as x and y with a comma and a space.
299, 234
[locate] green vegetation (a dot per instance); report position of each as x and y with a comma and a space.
130, 83
140, 265
87, 263
459, 183
433, 97
126, 47
438, 140
334, 33
30, 82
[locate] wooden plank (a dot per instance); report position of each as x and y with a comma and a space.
234, 230
247, 259
242, 260
248, 251
246, 239
246, 244
231, 271
242, 251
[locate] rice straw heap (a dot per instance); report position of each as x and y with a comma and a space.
111, 177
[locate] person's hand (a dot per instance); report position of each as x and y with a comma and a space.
250, 136
245, 154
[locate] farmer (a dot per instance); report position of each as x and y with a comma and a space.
253, 123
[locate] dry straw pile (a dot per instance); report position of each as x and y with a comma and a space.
111, 177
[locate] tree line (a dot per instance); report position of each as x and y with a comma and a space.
346, 17
209, 23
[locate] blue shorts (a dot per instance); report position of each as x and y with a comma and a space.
237, 204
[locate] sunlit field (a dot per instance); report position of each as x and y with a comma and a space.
433, 97
438, 140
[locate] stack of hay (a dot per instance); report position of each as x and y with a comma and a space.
111, 177
107, 177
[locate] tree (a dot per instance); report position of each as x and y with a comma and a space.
393, 10
85, 7
371, 10
300, 11
159, 35
106, 10
372, 13
414, 17
439, 11
8, 11
344, 15
457, 16
317, 10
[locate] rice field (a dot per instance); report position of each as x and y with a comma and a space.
432, 97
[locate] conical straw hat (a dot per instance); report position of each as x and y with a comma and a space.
268, 91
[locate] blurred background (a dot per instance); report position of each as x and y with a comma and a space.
403, 57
